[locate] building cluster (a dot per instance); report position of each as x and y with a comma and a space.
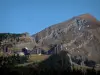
55, 49
38, 50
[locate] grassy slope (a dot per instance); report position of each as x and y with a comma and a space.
34, 58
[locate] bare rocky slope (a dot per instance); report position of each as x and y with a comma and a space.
79, 35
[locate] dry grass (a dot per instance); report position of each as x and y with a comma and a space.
79, 67
36, 57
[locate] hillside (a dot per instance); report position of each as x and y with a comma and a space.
79, 35
15, 41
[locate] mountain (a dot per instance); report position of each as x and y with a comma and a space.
79, 35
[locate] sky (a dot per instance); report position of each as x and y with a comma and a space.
32, 16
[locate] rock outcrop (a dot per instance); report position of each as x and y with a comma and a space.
15, 41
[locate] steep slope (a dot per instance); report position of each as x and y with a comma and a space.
79, 35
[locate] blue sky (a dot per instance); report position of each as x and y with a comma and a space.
18, 16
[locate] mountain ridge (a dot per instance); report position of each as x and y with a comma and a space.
79, 35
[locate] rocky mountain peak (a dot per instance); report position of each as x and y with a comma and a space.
88, 16
79, 35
